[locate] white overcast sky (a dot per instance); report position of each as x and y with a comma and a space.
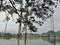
13, 27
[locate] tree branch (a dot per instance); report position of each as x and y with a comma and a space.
15, 8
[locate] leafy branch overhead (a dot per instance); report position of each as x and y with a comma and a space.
30, 9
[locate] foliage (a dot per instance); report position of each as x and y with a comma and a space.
30, 9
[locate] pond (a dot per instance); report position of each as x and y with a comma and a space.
37, 41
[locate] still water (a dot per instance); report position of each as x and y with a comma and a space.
38, 41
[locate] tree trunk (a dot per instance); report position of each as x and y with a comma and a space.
25, 34
52, 28
19, 32
6, 26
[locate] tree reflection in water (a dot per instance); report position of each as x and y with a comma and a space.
51, 40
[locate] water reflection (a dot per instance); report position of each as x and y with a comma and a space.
31, 41
52, 40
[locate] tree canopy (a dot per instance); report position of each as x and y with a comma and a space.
29, 10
